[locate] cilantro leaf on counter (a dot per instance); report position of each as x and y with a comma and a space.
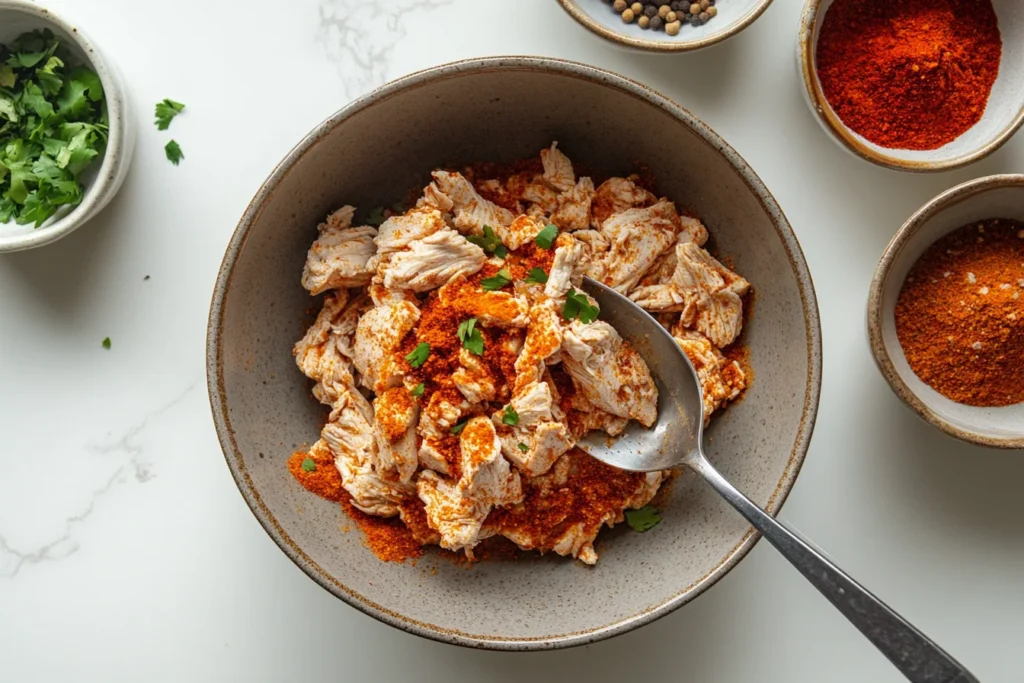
536, 276
577, 305
457, 429
53, 125
545, 239
489, 242
308, 465
499, 280
166, 111
510, 417
419, 355
418, 389
174, 153
644, 519
471, 337
106, 343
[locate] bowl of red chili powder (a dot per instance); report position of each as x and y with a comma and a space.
915, 85
946, 312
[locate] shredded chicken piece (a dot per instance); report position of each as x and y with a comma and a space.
543, 340
595, 248
338, 258
395, 416
609, 372
558, 173
711, 295
522, 230
540, 429
564, 271
473, 379
497, 308
616, 195
573, 211
457, 510
472, 212
377, 335
637, 237
430, 262
721, 380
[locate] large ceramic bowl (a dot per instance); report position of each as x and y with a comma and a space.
371, 153
103, 179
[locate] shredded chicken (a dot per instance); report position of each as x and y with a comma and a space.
458, 383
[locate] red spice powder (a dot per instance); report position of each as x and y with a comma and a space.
909, 74
960, 315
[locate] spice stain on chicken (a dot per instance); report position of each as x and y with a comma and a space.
462, 363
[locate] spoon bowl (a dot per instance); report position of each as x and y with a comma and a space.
675, 440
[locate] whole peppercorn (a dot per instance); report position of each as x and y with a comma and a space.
704, 4
644, 22
673, 28
619, 6
627, 16
703, 16
712, 11
695, 8
650, 11
676, 4
670, 17
695, 20
663, 10
657, 23
637, 8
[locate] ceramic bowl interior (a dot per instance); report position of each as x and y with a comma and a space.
372, 153
102, 180
992, 197
599, 17
1003, 114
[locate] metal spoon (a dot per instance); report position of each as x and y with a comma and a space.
676, 440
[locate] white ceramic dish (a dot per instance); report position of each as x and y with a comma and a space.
598, 17
1000, 196
1003, 115
103, 180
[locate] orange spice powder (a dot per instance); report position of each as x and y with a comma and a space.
388, 537
324, 481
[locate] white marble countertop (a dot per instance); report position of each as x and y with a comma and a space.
126, 552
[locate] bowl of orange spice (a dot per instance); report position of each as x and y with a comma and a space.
946, 312
914, 85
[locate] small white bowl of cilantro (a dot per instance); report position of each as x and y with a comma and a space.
66, 132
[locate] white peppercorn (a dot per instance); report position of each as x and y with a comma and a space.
644, 22
627, 16
673, 28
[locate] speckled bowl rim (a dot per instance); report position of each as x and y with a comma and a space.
215, 352
845, 137
120, 140
683, 45
875, 313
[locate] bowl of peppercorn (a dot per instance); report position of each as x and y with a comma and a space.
916, 85
665, 25
946, 312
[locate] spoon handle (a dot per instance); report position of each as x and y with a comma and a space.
913, 653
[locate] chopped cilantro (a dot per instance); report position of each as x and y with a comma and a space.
106, 343
174, 153
376, 216
165, 111
644, 519
545, 239
500, 279
523, 447
398, 208
419, 355
489, 242
577, 305
418, 389
457, 429
510, 416
471, 337
308, 465
537, 276
53, 125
